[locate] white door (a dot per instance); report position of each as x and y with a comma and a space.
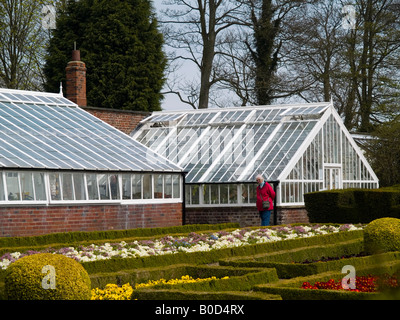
333, 178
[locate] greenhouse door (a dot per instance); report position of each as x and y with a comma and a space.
333, 178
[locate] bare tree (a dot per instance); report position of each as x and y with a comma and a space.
195, 30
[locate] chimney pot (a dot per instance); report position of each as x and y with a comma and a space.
76, 55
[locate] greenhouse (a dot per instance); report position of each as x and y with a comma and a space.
298, 148
53, 152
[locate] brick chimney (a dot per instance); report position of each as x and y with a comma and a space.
76, 80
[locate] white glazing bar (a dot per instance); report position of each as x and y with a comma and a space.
259, 153
222, 154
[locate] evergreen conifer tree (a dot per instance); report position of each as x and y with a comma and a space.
121, 46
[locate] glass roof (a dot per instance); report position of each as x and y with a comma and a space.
232, 144
47, 131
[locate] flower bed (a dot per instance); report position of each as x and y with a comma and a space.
115, 292
194, 242
367, 283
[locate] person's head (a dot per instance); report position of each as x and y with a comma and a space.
259, 179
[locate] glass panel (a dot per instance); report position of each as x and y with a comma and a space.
147, 186
167, 186
93, 192
195, 195
79, 186
158, 186
245, 193
223, 193
206, 193
233, 193
187, 195
67, 187
2, 194
136, 186
214, 193
126, 186
55, 186
114, 186
38, 181
176, 184
13, 186
27, 186
104, 187
253, 193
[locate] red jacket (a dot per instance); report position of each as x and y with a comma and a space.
263, 194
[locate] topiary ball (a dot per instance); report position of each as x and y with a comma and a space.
382, 235
46, 276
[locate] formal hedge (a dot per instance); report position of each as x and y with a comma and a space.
289, 263
352, 205
382, 235
173, 294
239, 278
25, 280
290, 289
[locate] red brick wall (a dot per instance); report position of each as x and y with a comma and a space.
30, 221
124, 120
245, 216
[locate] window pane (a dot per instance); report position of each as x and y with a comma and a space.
167, 186
187, 195
104, 187
126, 186
195, 194
137, 186
27, 186
79, 186
245, 193
2, 195
38, 182
55, 188
233, 193
223, 193
176, 186
158, 186
91, 180
12, 186
67, 187
214, 194
253, 193
147, 187
114, 185
206, 193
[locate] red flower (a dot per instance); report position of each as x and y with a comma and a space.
367, 283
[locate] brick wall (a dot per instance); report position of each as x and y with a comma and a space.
30, 221
124, 120
245, 216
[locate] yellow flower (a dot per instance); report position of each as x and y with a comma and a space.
114, 292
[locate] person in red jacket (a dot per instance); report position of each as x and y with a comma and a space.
264, 193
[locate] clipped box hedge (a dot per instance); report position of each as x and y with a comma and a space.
290, 289
172, 294
288, 262
352, 205
239, 278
